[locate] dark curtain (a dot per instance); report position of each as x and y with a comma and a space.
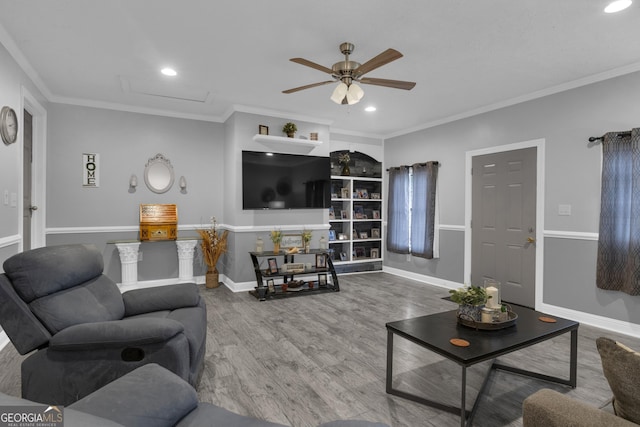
398, 214
425, 176
618, 266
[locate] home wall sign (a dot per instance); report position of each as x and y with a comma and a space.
90, 170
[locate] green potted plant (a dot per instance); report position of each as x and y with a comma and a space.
290, 129
470, 300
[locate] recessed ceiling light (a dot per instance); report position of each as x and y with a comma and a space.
370, 109
167, 71
617, 6
269, 154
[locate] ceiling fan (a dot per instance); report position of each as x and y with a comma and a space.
348, 72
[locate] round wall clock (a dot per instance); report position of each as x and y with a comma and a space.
8, 125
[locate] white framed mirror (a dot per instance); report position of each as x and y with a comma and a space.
158, 174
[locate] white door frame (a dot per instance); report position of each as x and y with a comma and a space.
539, 144
38, 170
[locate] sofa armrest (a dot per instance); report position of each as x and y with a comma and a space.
548, 408
147, 396
160, 298
115, 334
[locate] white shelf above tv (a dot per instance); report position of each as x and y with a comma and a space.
287, 145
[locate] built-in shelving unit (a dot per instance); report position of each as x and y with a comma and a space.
355, 220
290, 145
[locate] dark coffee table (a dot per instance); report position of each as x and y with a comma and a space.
434, 332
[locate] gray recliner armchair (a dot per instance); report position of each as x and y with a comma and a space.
86, 333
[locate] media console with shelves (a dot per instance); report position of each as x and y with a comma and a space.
276, 271
355, 219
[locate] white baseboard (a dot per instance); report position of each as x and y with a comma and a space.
422, 278
4, 340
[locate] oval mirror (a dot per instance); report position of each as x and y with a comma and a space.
158, 174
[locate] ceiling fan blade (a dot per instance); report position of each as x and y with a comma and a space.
380, 60
296, 89
308, 63
397, 84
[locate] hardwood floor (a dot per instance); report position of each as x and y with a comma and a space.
307, 360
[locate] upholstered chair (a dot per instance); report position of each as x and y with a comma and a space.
82, 332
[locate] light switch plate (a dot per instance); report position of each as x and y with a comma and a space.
564, 210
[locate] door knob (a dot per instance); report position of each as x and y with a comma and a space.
531, 240
33, 208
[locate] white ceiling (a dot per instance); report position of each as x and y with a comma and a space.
466, 56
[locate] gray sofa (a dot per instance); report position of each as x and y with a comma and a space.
151, 396
85, 332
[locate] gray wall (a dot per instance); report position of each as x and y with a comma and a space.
565, 120
125, 142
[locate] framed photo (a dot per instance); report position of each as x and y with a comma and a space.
332, 234
292, 241
364, 235
375, 233
360, 252
375, 195
344, 193
375, 253
271, 287
322, 279
321, 261
344, 214
343, 256
376, 214
273, 265
358, 211
263, 130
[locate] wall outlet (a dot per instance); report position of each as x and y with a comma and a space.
5, 198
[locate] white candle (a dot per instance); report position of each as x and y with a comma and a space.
494, 301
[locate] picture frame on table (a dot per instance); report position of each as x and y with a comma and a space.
271, 286
343, 256
375, 253
375, 233
263, 130
321, 261
376, 214
359, 251
344, 214
322, 280
344, 193
273, 265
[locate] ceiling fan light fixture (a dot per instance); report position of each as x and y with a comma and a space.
339, 93
354, 94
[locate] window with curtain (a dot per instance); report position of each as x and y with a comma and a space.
411, 225
618, 265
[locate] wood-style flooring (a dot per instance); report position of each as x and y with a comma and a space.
306, 360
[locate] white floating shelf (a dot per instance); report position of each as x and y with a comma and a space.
289, 145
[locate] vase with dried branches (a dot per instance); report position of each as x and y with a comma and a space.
214, 244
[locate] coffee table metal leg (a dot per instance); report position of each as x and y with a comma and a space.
389, 359
573, 364
463, 398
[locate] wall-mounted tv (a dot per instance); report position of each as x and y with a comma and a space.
285, 181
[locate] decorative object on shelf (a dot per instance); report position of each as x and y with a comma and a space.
332, 235
292, 250
470, 300
323, 243
509, 319
375, 233
321, 261
276, 238
259, 245
8, 125
313, 136
344, 193
344, 160
284, 287
213, 246
273, 266
271, 287
263, 130
158, 222
492, 288
290, 241
306, 238
290, 129
375, 253
322, 280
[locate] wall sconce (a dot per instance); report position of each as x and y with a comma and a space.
183, 184
133, 183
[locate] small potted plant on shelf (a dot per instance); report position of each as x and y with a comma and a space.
276, 238
344, 160
290, 129
306, 238
470, 300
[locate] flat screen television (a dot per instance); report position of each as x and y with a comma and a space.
285, 181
